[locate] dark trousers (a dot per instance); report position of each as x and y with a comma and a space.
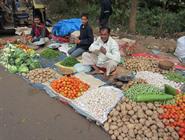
104, 20
76, 51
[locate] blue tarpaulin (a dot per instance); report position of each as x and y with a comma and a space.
67, 26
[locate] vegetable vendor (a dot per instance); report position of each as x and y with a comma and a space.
104, 53
85, 40
39, 33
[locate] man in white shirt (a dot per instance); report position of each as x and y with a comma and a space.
104, 53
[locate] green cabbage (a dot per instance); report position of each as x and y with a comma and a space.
12, 69
23, 56
23, 69
18, 61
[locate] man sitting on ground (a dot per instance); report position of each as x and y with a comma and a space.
85, 40
39, 32
104, 53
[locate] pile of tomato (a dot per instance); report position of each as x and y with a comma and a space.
69, 86
177, 114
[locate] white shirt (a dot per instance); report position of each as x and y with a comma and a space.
111, 47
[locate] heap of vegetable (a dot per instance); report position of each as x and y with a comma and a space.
156, 79
17, 61
147, 93
24, 48
69, 62
50, 53
70, 87
174, 115
125, 87
41, 75
177, 77
142, 64
98, 102
138, 121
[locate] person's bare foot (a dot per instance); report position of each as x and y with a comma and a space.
106, 77
97, 72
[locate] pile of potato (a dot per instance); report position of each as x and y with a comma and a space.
138, 121
132, 83
41, 75
142, 64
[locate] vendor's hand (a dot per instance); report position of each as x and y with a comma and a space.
77, 41
103, 50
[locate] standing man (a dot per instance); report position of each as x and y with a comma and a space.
106, 12
85, 40
104, 53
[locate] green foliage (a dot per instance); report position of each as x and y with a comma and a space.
50, 53
69, 62
177, 77
149, 21
154, 17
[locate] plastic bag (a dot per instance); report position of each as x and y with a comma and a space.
82, 68
180, 50
54, 45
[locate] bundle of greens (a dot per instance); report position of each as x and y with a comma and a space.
50, 53
69, 62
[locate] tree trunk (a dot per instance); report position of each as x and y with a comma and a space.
132, 18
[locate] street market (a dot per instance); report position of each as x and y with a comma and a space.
124, 112
129, 94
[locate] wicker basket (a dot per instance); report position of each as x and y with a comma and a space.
166, 65
65, 70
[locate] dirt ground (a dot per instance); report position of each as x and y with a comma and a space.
29, 114
164, 45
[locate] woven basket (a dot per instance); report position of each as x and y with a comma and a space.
166, 65
65, 70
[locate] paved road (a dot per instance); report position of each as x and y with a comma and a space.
29, 114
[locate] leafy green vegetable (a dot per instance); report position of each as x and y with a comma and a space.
50, 53
35, 64
23, 69
16, 60
177, 77
12, 69
69, 62
23, 56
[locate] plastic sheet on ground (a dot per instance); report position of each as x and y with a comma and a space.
52, 93
96, 104
90, 80
51, 62
34, 85
82, 68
